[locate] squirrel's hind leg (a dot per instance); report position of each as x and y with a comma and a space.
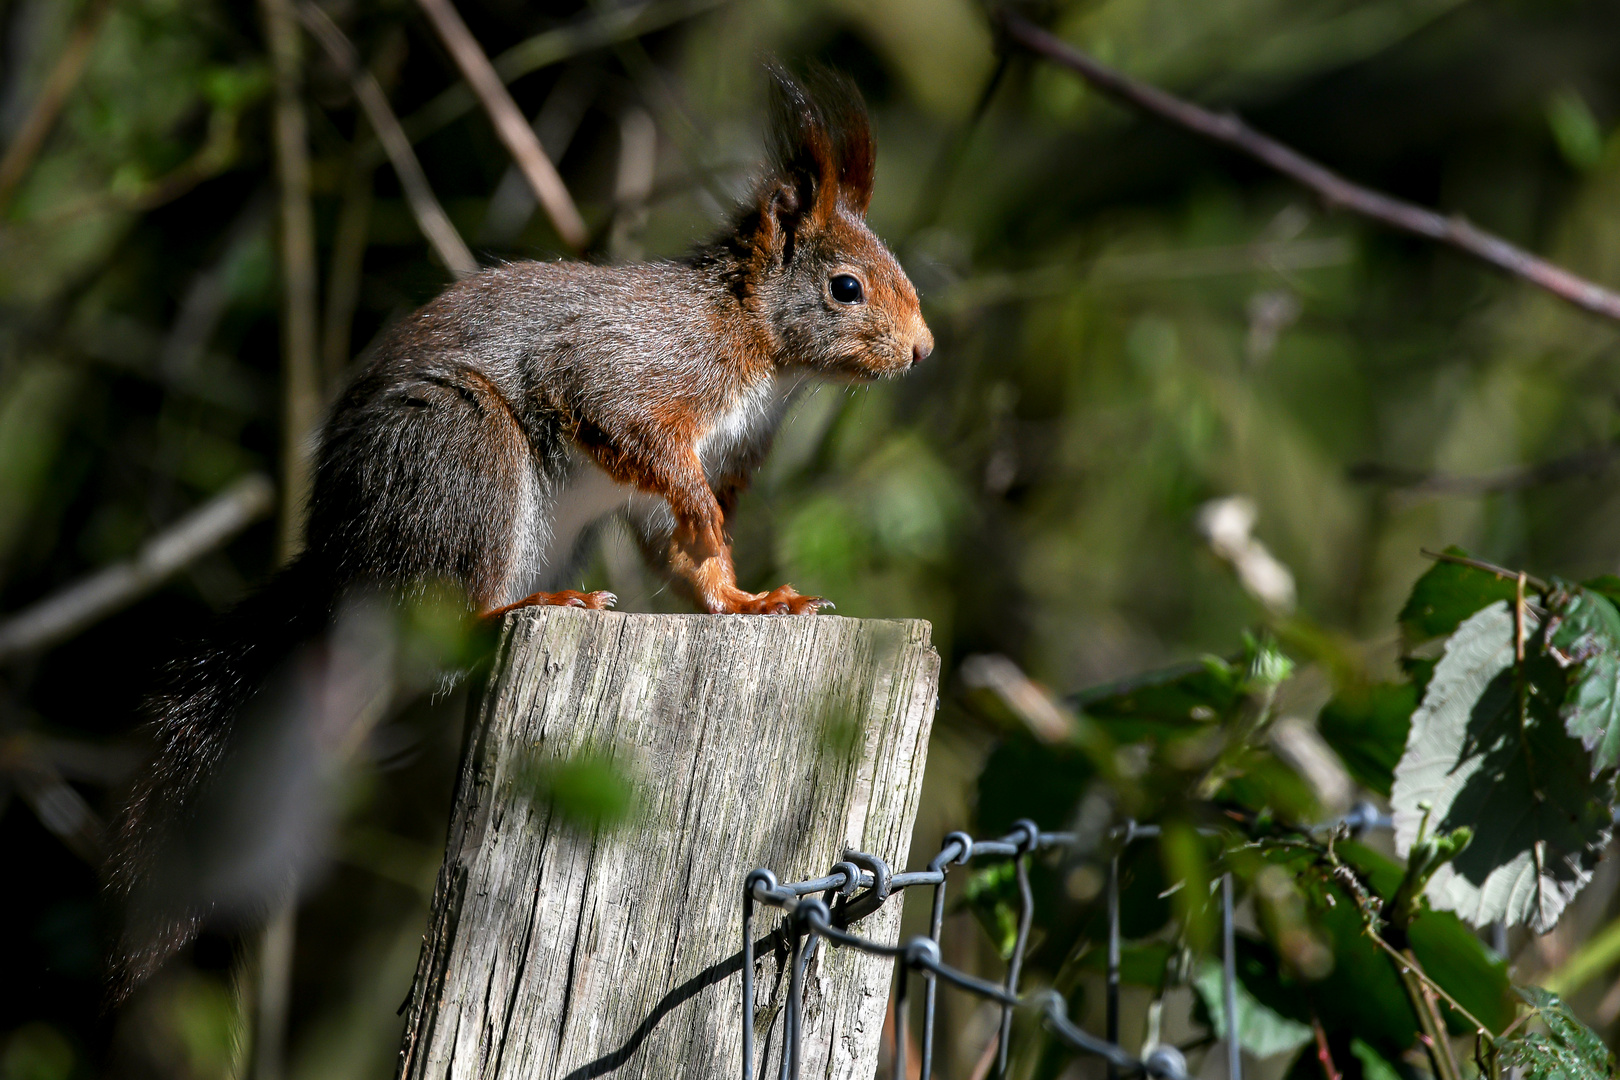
596, 601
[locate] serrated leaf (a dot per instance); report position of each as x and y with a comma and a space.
1367, 726
1263, 1032
1569, 1050
1583, 633
1540, 821
1446, 594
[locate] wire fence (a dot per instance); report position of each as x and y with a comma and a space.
810, 920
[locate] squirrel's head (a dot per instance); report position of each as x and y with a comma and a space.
838, 301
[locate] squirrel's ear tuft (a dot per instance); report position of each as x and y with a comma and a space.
821, 143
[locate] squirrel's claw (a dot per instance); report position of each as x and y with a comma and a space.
781, 601
595, 601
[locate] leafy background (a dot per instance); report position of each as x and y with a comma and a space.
1130, 324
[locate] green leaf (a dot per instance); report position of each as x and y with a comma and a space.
1362, 995
1583, 634
992, 895
1569, 1050
589, 790
1607, 584
1540, 822
1373, 1065
1188, 697
1366, 726
1025, 778
1575, 129
1140, 963
1263, 1032
1447, 594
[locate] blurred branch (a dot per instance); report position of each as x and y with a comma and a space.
31, 136
510, 125
638, 159
1144, 267
275, 991
1334, 190
1419, 483
61, 809
59, 617
512, 204
344, 270
218, 152
1592, 958
33, 766
543, 50
300, 376
430, 217
688, 135
1490, 568
953, 150
1043, 715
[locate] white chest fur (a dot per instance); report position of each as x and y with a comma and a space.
584, 494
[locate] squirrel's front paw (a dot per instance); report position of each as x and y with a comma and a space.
782, 601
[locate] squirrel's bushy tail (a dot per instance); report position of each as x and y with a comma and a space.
192, 726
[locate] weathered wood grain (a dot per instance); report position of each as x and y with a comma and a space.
751, 741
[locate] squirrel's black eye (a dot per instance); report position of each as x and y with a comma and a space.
845, 289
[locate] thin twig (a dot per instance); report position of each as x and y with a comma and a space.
1428, 1007
1324, 1054
1421, 482
1334, 190
61, 615
543, 50
1490, 568
65, 74
430, 217
300, 374
1423, 977
513, 130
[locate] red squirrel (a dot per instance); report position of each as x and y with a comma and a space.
525, 402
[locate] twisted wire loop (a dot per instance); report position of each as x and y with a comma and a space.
810, 919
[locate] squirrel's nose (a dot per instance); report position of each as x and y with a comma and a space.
921, 348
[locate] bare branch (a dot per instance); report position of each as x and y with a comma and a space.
430, 217
1333, 189
59, 617
608, 27
300, 375
1420, 483
36, 127
514, 131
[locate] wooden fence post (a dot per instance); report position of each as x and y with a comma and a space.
558, 952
